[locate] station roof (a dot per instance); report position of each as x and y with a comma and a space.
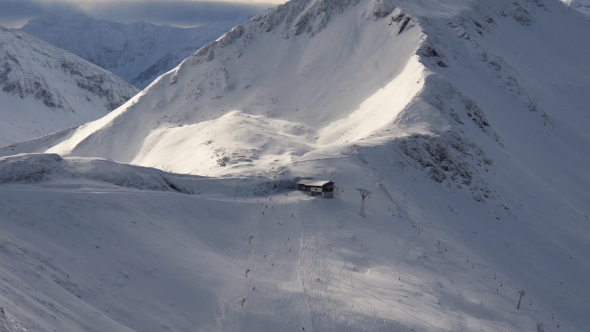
313, 183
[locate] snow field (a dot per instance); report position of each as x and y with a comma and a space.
581, 5
98, 256
469, 129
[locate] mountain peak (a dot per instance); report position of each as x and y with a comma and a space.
138, 52
47, 84
318, 78
467, 120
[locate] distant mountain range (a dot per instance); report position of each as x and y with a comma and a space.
138, 52
46, 89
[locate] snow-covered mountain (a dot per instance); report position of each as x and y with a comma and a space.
138, 52
466, 119
581, 5
46, 89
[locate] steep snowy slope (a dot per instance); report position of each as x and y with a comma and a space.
581, 5
301, 79
245, 103
467, 119
46, 89
138, 52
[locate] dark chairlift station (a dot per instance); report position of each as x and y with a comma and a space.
317, 188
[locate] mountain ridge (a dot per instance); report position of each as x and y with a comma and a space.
465, 119
43, 86
580, 5
138, 52
429, 107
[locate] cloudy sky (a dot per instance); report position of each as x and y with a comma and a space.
15, 13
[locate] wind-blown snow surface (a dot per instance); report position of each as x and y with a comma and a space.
466, 119
138, 52
581, 5
46, 89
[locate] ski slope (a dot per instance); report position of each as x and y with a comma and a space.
466, 120
80, 253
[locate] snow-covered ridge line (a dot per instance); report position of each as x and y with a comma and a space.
298, 17
466, 119
44, 89
582, 5
437, 109
227, 42
32, 168
210, 67
139, 52
40, 168
17, 76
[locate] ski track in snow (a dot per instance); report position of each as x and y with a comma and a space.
466, 119
330, 280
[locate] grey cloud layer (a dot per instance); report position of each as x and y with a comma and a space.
173, 12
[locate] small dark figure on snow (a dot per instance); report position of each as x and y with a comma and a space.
2, 310
248, 270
